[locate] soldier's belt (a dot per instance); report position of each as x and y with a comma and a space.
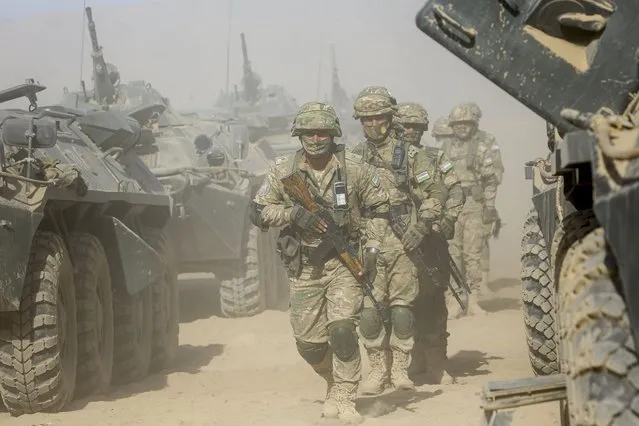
395, 210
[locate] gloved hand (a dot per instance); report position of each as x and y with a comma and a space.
489, 214
309, 222
448, 228
370, 263
414, 235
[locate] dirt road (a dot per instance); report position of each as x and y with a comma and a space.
247, 372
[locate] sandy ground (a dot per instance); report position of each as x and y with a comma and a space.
247, 372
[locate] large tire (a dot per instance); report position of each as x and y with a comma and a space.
241, 295
537, 292
166, 304
133, 334
38, 343
598, 346
94, 299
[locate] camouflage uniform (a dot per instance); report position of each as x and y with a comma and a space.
469, 149
325, 301
431, 314
416, 190
499, 166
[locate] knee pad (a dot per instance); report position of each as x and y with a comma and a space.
313, 353
370, 323
343, 339
403, 321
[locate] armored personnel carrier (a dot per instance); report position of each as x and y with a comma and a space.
211, 171
88, 294
574, 63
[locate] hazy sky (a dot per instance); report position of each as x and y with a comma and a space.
180, 47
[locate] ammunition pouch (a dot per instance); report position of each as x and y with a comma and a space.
290, 250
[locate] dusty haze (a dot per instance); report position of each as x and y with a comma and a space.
180, 47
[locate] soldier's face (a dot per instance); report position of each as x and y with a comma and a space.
413, 133
376, 127
464, 131
316, 143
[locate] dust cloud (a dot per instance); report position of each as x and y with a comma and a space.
180, 47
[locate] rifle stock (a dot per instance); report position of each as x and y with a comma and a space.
295, 187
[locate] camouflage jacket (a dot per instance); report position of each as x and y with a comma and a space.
477, 167
364, 192
429, 173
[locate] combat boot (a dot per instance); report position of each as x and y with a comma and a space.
436, 373
378, 376
325, 371
473, 305
399, 371
345, 393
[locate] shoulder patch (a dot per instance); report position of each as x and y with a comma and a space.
445, 166
375, 179
264, 189
412, 150
279, 160
422, 177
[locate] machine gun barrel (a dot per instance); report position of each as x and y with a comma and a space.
104, 92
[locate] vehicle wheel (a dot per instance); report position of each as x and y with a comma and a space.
241, 294
598, 345
537, 291
94, 299
133, 334
166, 304
38, 343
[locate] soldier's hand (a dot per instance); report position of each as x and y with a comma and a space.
448, 228
308, 221
489, 215
370, 263
414, 235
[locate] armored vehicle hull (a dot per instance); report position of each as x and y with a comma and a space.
211, 171
569, 62
89, 289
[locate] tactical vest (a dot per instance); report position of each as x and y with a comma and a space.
471, 154
340, 208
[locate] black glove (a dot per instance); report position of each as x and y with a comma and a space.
414, 235
448, 228
489, 215
309, 222
370, 263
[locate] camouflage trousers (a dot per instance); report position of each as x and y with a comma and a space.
395, 285
485, 261
320, 297
467, 245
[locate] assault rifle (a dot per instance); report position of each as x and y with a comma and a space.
399, 227
332, 239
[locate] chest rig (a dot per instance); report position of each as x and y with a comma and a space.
398, 165
471, 154
339, 209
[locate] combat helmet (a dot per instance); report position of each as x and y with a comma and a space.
475, 109
412, 113
462, 113
441, 128
372, 101
316, 116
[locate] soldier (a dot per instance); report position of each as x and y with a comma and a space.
325, 300
441, 131
470, 151
492, 229
408, 174
431, 314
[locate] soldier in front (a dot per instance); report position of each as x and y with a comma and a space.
325, 299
